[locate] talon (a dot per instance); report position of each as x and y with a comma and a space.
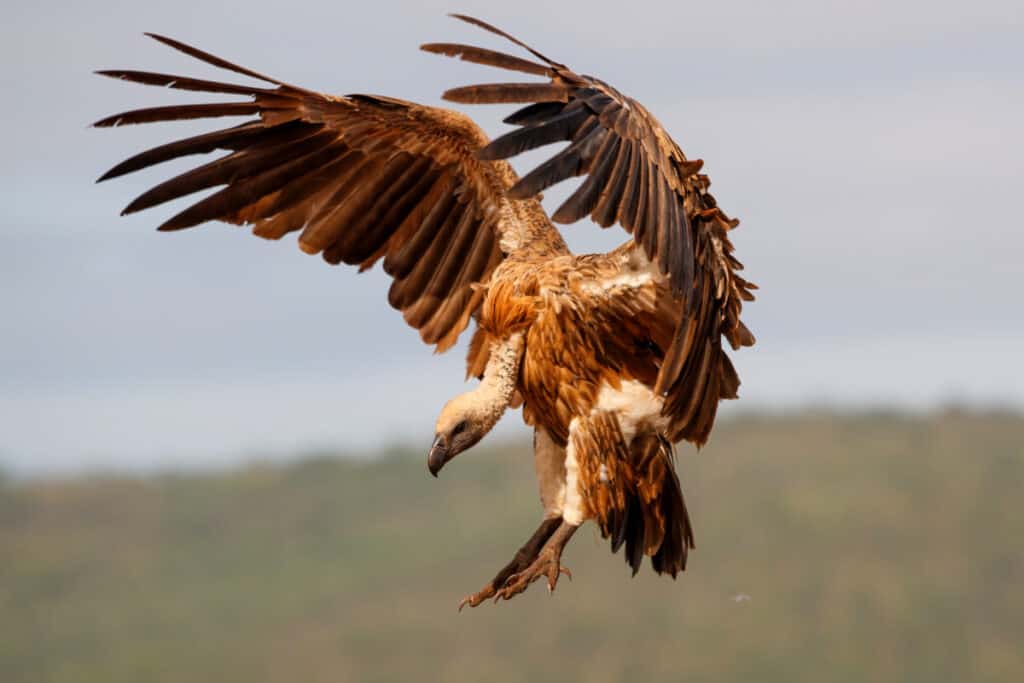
552, 580
529, 564
477, 598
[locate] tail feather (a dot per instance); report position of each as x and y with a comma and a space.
671, 556
635, 535
654, 521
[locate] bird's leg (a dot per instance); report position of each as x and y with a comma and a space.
548, 563
523, 557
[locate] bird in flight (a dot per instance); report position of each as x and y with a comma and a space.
613, 357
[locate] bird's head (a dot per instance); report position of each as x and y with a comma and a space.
463, 422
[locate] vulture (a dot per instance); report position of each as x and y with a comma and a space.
614, 357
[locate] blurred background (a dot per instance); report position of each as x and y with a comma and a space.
212, 447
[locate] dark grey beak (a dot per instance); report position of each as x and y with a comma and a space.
438, 456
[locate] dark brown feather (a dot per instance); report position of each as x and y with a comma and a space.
556, 129
479, 55
567, 164
178, 113
230, 138
211, 59
330, 222
497, 31
535, 113
440, 224
425, 246
238, 165
338, 171
582, 202
380, 221
458, 240
242, 193
508, 93
422, 305
422, 224
607, 210
355, 215
182, 82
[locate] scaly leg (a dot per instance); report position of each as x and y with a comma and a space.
524, 556
547, 564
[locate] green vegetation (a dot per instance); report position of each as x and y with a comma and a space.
872, 548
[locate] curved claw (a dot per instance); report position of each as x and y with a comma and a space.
514, 585
476, 598
546, 563
553, 576
519, 582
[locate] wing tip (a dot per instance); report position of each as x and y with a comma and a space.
159, 38
107, 122
564, 216
438, 49
165, 40
180, 221
458, 95
480, 23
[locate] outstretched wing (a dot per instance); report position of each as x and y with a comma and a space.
362, 177
638, 177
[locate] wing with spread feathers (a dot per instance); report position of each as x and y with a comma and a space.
362, 177
636, 176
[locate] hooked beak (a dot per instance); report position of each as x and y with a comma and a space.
438, 456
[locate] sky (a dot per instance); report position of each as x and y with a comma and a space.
872, 150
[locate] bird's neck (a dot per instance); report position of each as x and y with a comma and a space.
494, 393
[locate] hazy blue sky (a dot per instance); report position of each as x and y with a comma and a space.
873, 151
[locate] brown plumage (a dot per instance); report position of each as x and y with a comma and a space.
614, 357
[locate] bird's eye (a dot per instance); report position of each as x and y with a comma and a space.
459, 428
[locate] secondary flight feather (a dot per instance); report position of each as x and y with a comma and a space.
614, 357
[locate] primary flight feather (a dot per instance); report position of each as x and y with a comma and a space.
614, 357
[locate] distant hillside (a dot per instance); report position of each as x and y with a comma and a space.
872, 548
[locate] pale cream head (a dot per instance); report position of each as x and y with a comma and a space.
467, 418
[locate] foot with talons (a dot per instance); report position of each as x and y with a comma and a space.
478, 597
548, 564
524, 557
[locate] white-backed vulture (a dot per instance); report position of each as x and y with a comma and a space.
615, 357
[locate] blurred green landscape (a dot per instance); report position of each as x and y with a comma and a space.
829, 548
